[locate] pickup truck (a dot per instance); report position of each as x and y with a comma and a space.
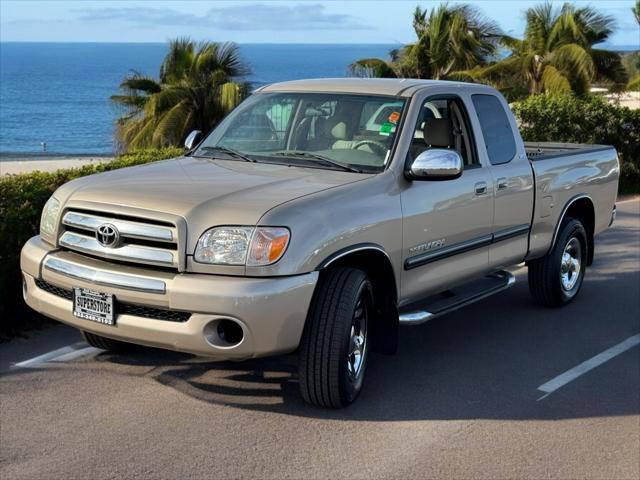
319, 217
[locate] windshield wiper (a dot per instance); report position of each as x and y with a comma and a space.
229, 151
317, 158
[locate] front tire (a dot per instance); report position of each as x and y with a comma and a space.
556, 279
335, 341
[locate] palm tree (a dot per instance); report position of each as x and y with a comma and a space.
557, 54
198, 85
636, 11
450, 39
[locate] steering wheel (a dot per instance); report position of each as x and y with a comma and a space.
376, 146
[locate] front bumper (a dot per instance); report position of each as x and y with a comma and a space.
271, 311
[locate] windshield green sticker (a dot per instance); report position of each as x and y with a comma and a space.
386, 128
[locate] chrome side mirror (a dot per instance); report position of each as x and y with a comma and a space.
436, 164
192, 139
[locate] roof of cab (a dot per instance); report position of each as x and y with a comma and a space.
404, 87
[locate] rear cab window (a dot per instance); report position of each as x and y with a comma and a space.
496, 129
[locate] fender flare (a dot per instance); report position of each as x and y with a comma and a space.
572, 200
358, 247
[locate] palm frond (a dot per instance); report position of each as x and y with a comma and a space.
172, 126
165, 100
553, 81
178, 60
574, 59
595, 26
221, 59
141, 135
138, 83
540, 20
566, 29
230, 96
134, 101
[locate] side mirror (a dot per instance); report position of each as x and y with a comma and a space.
436, 164
193, 139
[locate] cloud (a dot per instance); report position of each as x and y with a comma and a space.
238, 17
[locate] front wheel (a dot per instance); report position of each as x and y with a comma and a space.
555, 279
335, 342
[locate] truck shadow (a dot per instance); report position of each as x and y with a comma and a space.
485, 361
482, 362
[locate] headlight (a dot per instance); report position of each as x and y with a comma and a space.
242, 245
49, 219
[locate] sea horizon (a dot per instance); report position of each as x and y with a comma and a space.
605, 46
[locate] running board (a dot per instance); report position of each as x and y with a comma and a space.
451, 300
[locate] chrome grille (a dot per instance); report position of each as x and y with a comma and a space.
140, 242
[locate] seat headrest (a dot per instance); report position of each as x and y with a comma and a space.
438, 132
339, 131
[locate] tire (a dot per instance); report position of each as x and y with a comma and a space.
556, 279
335, 342
104, 343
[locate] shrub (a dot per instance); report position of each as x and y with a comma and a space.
21, 200
565, 118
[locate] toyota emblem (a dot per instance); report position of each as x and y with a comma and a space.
107, 235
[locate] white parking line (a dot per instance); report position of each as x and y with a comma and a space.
570, 375
60, 355
76, 354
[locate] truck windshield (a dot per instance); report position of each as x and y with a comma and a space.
333, 131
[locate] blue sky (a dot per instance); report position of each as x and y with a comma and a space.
303, 21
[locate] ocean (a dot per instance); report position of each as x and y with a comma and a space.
58, 93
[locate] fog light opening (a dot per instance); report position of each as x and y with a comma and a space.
224, 333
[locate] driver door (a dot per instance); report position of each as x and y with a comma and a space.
447, 224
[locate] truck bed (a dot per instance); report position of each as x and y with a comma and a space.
562, 173
546, 150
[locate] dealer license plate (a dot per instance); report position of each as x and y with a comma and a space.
94, 306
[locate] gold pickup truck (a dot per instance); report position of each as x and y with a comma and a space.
319, 217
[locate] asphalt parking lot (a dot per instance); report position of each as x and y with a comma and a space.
499, 389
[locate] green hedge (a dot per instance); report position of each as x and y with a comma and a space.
565, 118
21, 200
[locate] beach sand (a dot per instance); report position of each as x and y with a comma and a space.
15, 166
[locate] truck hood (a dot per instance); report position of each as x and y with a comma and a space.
206, 192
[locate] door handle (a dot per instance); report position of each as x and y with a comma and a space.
502, 183
481, 188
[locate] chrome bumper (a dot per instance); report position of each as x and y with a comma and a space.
100, 277
271, 311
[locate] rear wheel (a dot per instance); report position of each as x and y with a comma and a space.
556, 279
335, 342
104, 343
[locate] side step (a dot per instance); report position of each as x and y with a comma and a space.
451, 300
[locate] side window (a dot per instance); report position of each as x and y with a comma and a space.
443, 123
496, 129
